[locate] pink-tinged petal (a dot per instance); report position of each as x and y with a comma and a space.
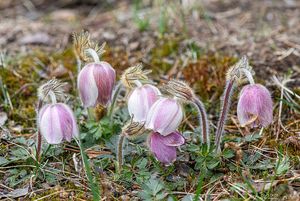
87, 86
164, 153
255, 106
105, 77
57, 123
174, 139
41, 113
50, 126
164, 116
67, 121
140, 101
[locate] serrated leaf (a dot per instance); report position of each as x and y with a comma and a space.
3, 161
228, 153
283, 165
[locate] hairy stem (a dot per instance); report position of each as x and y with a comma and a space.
39, 146
202, 120
52, 97
39, 136
114, 99
248, 74
93, 54
224, 111
120, 152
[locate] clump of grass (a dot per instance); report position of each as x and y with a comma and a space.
207, 73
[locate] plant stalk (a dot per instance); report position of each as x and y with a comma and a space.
202, 120
93, 184
224, 112
39, 136
120, 152
114, 99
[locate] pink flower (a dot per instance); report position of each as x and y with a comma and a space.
57, 123
140, 101
164, 116
255, 107
95, 83
164, 147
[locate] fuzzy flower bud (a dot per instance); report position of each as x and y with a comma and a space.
82, 41
240, 70
180, 90
57, 123
164, 147
133, 129
54, 87
255, 107
134, 73
140, 101
95, 83
164, 116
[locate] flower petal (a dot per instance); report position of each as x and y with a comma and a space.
67, 121
87, 86
140, 101
164, 116
164, 153
174, 139
105, 77
255, 101
50, 126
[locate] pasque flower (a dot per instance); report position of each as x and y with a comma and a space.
255, 107
164, 147
182, 91
140, 101
57, 123
95, 83
164, 116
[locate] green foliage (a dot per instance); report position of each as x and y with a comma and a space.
282, 164
163, 21
101, 130
91, 179
142, 22
153, 190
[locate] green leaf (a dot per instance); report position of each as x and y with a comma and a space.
228, 153
211, 164
93, 185
3, 161
252, 138
283, 165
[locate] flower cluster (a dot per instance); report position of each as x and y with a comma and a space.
149, 109
161, 115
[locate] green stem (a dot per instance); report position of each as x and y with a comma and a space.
91, 114
224, 111
120, 152
114, 99
199, 186
93, 185
202, 120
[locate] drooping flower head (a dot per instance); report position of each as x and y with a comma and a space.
140, 101
57, 123
164, 116
183, 92
96, 80
95, 83
255, 107
164, 147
